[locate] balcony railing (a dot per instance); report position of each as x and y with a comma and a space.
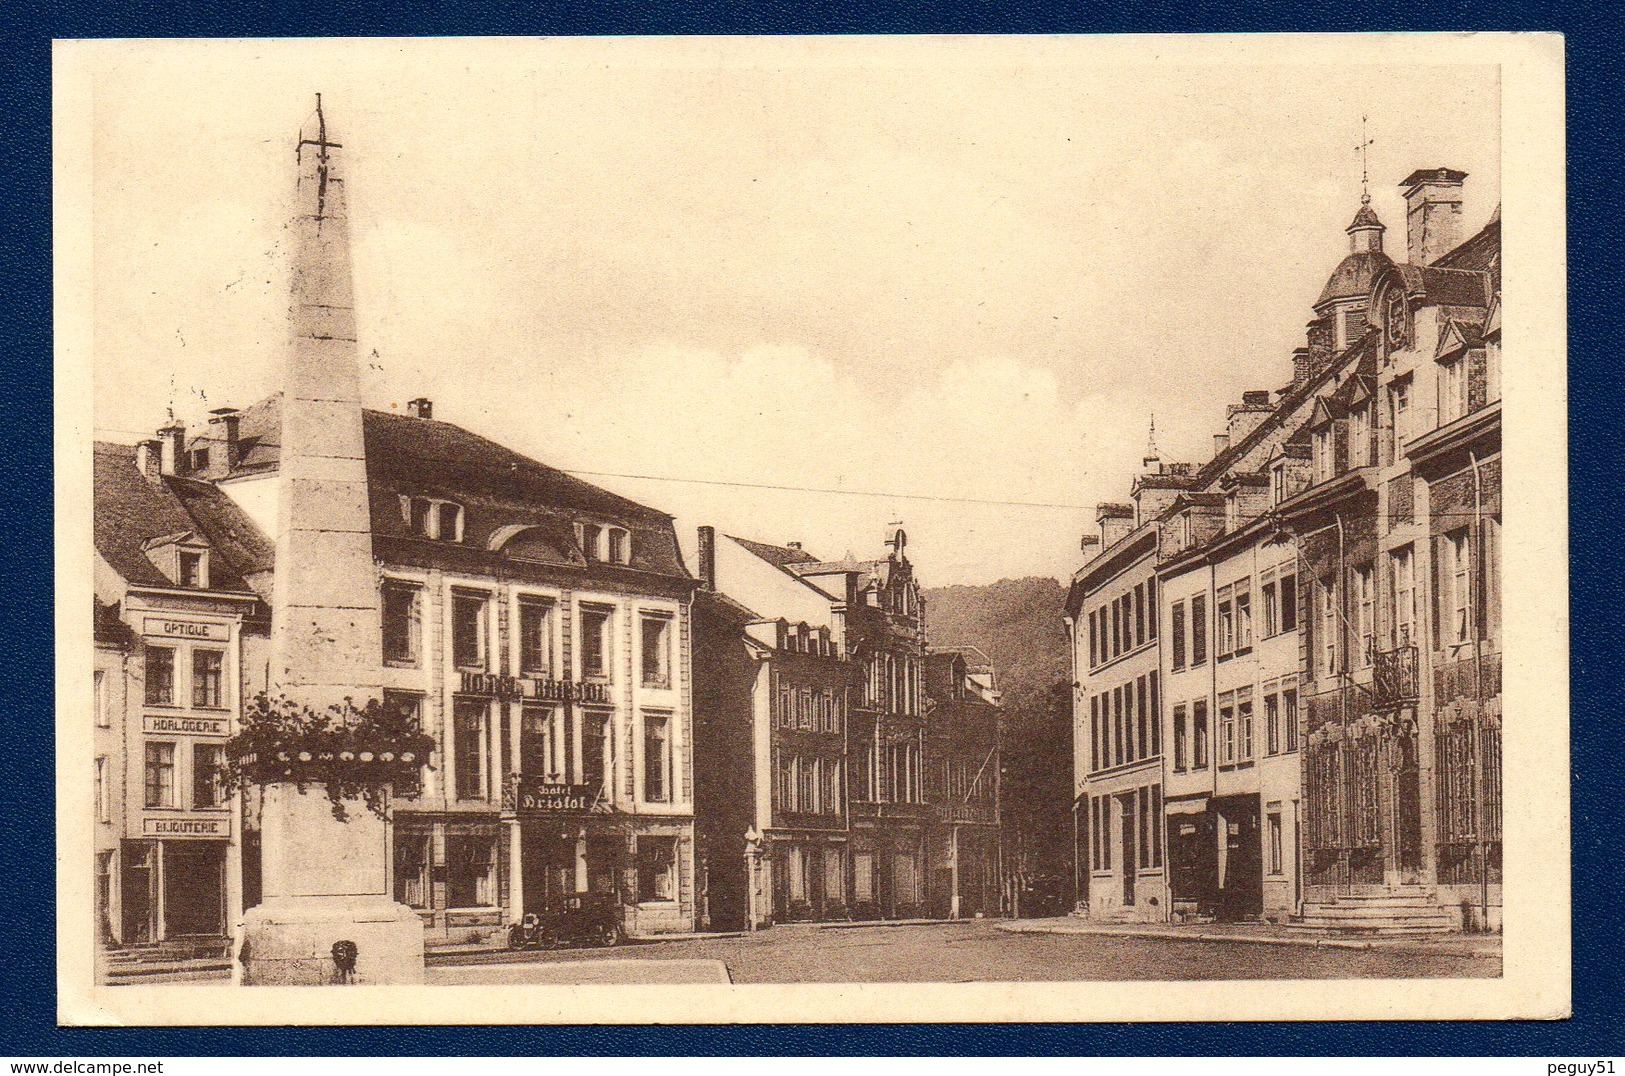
1394, 679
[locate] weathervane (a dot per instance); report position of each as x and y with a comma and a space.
1365, 171
1151, 454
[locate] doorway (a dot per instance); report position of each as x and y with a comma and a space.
1130, 846
1241, 895
137, 897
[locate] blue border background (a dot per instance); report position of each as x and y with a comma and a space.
1596, 160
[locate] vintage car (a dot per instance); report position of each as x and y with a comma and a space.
581, 919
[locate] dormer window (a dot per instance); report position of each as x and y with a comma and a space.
604, 544
192, 568
1278, 482
200, 459
433, 518
1452, 388
1360, 436
1325, 453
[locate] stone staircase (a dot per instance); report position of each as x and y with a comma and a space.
1381, 911
166, 960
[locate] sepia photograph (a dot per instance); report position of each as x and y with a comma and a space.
810, 528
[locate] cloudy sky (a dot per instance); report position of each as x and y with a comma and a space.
950, 269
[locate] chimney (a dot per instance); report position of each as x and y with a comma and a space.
1116, 523
1221, 442
422, 407
147, 457
793, 545
225, 424
1322, 342
1248, 415
708, 557
1303, 367
1090, 543
1432, 213
172, 448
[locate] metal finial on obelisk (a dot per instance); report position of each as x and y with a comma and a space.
1152, 456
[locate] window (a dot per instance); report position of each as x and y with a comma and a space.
470, 745
1289, 716
1176, 622
1094, 638
1360, 437
1142, 711
804, 711
433, 518
1198, 629
160, 774
656, 758
535, 636
1365, 614
1489, 602
1275, 841
99, 700
160, 676
863, 876
595, 642
102, 810
590, 535
468, 630
1272, 724
1094, 733
471, 870
1225, 622
1328, 627
1458, 611
408, 705
1244, 615
207, 668
192, 572
1155, 816
595, 752
1156, 716
412, 869
1199, 739
657, 868
1117, 628
200, 459
1139, 614
1452, 389
1227, 730
403, 622
656, 634
1271, 608
1118, 757
1289, 602
1181, 741
1151, 608
208, 775
620, 546
1402, 580
1323, 454
1244, 725
1399, 408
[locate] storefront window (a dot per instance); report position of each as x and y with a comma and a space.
657, 868
160, 676
412, 869
208, 772
160, 775
207, 668
863, 876
471, 871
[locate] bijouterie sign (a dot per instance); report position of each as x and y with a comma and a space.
189, 826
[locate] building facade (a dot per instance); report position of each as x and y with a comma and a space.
1112, 611
538, 627
964, 852
1329, 595
178, 628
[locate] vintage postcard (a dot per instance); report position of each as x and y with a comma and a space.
811, 529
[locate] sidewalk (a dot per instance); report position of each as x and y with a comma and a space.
1479, 945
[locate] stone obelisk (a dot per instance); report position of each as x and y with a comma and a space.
324, 881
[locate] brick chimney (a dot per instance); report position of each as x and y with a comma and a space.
1432, 213
224, 424
1116, 522
148, 456
172, 448
708, 557
422, 407
1247, 416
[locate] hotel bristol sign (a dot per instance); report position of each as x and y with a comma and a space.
530, 794
524, 688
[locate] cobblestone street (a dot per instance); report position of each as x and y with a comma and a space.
979, 951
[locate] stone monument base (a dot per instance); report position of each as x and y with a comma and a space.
289, 941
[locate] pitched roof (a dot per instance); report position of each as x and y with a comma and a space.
777, 555
130, 510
